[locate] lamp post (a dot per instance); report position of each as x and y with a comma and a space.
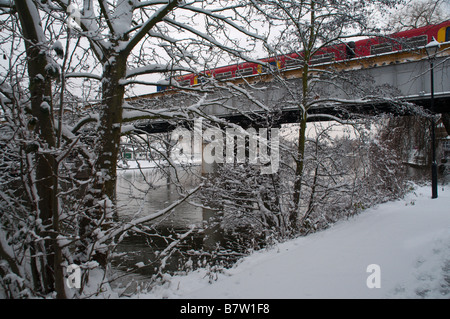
432, 48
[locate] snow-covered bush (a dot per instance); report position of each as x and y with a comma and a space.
342, 176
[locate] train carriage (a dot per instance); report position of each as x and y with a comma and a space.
405, 40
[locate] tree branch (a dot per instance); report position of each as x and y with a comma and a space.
105, 11
157, 17
83, 75
128, 226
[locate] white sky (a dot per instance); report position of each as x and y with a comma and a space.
257, 52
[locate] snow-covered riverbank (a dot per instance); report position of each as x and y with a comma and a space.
408, 239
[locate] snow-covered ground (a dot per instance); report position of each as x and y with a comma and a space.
408, 239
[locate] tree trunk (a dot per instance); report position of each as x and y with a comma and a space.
299, 170
102, 200
303, 120
46, 165
111, 123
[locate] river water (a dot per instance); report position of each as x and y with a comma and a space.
144, 192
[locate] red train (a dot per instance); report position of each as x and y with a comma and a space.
372, 46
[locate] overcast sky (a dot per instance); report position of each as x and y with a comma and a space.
257, 52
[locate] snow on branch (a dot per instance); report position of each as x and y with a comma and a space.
158, 16
330, 117
224, 19
31, 15
6, 4
122, 16
83, 121
83, 75
338, 101
142, 4
211, 40
130, 114
248, 95
7, 254
106, 13
114, 232
87, 23
165, 37
155, 68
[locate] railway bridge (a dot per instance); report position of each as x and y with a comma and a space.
393, 82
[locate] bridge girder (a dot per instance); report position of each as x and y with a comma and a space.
401, 80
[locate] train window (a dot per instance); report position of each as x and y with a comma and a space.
447, 34
244, 72
350, 50
203, 78
380, 48
293, 63
272, 66
415, 42
185, 83
223, 76
322, 58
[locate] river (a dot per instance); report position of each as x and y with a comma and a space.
144, 192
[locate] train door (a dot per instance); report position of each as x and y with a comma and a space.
444, 34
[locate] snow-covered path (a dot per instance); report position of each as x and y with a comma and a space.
409, 239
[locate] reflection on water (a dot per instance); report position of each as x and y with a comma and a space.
143, 192
140, 193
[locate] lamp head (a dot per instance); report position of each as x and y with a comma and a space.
432, 48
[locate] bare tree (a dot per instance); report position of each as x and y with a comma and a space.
120, 32
347, 170
57, 136
418, 13
305, 28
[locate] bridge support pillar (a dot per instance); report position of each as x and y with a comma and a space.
207, 168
